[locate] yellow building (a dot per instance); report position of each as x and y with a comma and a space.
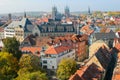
19, 33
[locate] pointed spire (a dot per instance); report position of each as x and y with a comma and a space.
25, 15
54, 12
67, 11
88, 10
9, 16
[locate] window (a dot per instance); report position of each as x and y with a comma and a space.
52, 67
44, 67
45, 61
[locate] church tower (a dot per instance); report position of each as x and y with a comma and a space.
25, 16
54, 12
67, 11
89, 12
9, 17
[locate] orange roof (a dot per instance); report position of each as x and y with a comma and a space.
45, 19
116, 77
68, 19
84, 73
33, 50
86, 29
57, 50
117, 46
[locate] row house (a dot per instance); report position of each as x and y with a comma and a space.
95, 46
77, 42
80, 43
85, 73
108, 38
97, 63
99, 54
50, 56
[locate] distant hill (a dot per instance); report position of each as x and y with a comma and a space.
32, 13
79, 12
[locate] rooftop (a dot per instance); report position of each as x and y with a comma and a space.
84, 73
34, 50
57, 49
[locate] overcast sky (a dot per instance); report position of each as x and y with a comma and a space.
9, 6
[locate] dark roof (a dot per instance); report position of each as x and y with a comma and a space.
30, 39
89, 72
56, 27
102, 36
27, 25
103, 56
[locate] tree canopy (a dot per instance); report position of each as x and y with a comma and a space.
24, 74
66, 68
30, 68
8, 66
11, 45
30, 62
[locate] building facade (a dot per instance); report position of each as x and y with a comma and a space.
19, 29
67, 12
54, 29
1, 33
54, 54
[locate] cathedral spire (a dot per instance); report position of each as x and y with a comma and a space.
25, 15
9, 16
89, 10
67, 11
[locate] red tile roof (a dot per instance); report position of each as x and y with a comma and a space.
117, 46
117, 43
86, 29
33, 50
84, 73
41, 20
116, 77
57, 50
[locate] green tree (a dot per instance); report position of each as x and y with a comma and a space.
66, 68
11, 45
30, 62
24, 74
30, 68
8, 66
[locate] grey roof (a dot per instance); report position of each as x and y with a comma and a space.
101, 36
24, 23
27, 25
56, 27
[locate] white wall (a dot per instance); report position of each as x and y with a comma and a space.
9, 32
50, 63
55, 61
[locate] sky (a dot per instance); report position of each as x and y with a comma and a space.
11, 6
